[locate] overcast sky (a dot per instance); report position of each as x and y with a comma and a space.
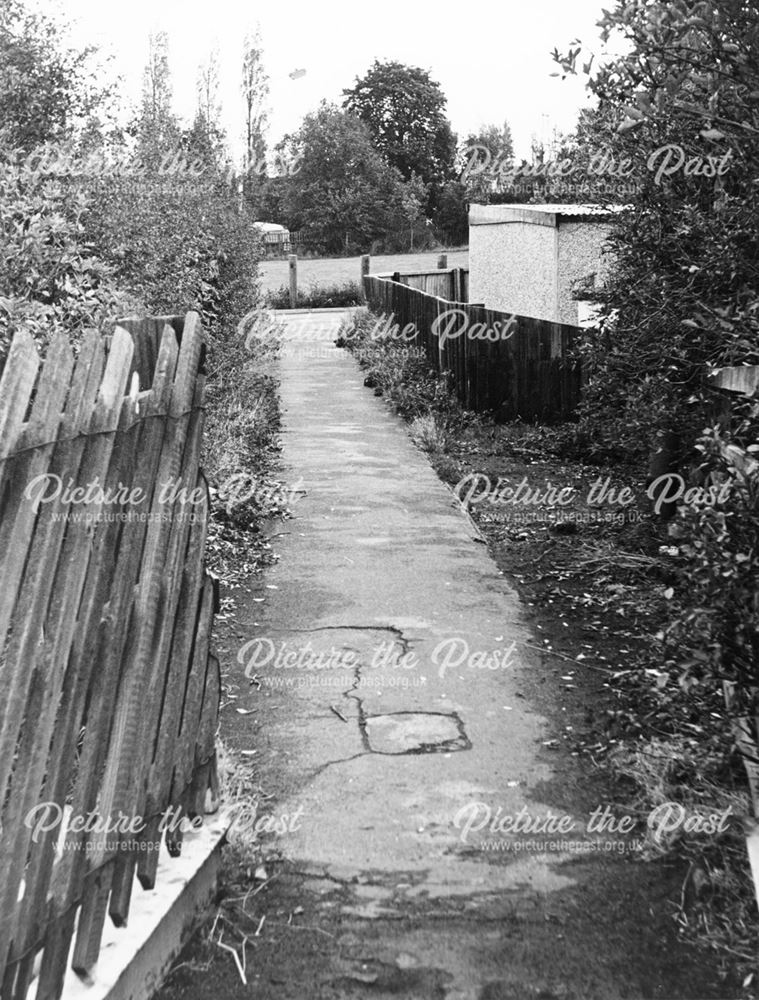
491, 59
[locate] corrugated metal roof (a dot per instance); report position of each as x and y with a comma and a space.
541, 215
575, 209
270, 227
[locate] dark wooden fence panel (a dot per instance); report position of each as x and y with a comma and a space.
447, 283
108, 687
512, 366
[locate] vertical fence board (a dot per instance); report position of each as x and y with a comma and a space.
16, 473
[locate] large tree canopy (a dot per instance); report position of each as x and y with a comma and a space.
343, 194
481, 155
403, 109
496, 139
46, 89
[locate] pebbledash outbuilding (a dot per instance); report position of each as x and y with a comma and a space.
535, 260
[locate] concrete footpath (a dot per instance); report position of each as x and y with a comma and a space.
384, 666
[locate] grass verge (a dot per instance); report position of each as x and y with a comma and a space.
241, 454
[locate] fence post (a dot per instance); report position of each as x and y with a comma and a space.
459, 284
364, 272
293, 261
442, 262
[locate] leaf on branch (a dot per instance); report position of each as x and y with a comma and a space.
627, 124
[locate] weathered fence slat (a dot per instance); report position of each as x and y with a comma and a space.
91, 920
17, 523
55, 956
159, 785
16, 387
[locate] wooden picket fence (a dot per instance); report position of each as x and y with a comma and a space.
524, 368
109, 690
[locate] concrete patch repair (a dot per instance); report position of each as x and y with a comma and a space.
415, 732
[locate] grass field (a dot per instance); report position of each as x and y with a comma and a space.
336, 270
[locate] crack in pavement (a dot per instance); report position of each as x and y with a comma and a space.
331, 763
360, 708
462, 742
352, 628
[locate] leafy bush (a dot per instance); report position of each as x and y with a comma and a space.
682, 301
50, 277
179, 245
715, 640
47, 88
684, 292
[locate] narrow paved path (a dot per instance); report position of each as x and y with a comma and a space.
391, 696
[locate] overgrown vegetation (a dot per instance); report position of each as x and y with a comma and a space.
124, 233
715, 638
397, 371
349, 293
683, 297
240, 455
50, 278
178, 245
